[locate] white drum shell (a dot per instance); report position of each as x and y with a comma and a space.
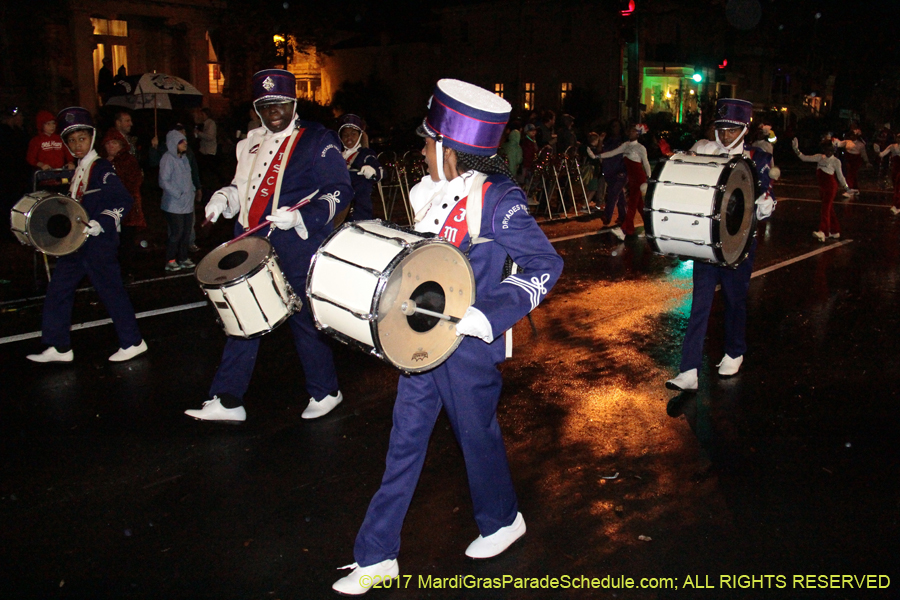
358, 279
26, 225
683, 214
253, 304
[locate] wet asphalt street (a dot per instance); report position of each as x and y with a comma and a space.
789, 470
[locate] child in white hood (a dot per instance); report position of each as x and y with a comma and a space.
177, 200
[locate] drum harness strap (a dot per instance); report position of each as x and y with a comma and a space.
285, 157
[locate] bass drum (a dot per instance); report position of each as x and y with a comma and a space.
52, 223
702, 207
246, 286
361, 281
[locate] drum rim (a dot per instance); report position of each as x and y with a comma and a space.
270, 254
382, 283
716, 226
45, 196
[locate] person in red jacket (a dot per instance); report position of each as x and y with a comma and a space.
116, 150
47, 150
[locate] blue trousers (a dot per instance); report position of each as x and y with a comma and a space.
239, 358
615, 196
735, 284
468, 387
101, 266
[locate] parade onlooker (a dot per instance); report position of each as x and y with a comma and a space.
512, 149
124, 125
828, 174
177, 200
47, 150
565, 138
15, 172
590, 170
105, 80
547, 131
529, 151
206, 133
129, 171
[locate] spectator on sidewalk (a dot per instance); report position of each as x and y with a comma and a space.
177, 200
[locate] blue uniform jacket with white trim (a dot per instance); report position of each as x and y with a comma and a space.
316, 164
106, 201
505, 220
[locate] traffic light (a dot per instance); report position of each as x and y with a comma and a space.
626, 7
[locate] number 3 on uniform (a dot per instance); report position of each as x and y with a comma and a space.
461, 216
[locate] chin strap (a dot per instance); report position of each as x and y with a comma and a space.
439, 150
293, 116
738, 140
348, 152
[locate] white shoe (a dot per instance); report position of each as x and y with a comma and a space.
497, 542
819, 236
617, 231
51, 355
362, 579
123, 354
730, 366
320, 408
835, 236
214, 411
895, 210
684, 382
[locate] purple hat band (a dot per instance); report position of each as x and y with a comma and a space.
73, 117
734, 111
463, 127
274, 83
352, 121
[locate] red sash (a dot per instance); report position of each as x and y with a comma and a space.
267, 184
456, 227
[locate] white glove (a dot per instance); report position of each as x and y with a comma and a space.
765, 206
93, 228
876, 147
475, 324
289, 219
216, 206
368, 172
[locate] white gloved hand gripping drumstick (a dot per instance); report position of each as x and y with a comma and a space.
265, 223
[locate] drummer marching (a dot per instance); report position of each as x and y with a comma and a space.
279, 164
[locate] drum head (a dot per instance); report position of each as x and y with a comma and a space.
737, 211
233, 260
437, 277
55, 224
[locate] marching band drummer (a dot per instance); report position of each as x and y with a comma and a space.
309, 157
733, 119
468, 182
365, 170
100, 191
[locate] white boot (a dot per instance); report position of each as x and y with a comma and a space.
497, 542
320, 408
684, 382
730, 366
362, 579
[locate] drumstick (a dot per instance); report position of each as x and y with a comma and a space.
409, 308
265, 223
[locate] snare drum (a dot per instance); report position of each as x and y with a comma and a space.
363, 274
52, 223
245, 285
702, 207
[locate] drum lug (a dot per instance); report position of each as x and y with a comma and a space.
716, 217
717, 245
664, 219
695, 222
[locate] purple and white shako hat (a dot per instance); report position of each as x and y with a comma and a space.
731, 111
274, 86
465, 117
72, 118
354, 121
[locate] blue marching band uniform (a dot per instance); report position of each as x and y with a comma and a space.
100, 191
313, 168
467, 385
365, 170
735, 282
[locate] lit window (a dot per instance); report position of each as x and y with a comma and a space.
216, 78
110, 27
528, 103
498, 89
564, 91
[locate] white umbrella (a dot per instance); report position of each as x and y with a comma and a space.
151, 90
